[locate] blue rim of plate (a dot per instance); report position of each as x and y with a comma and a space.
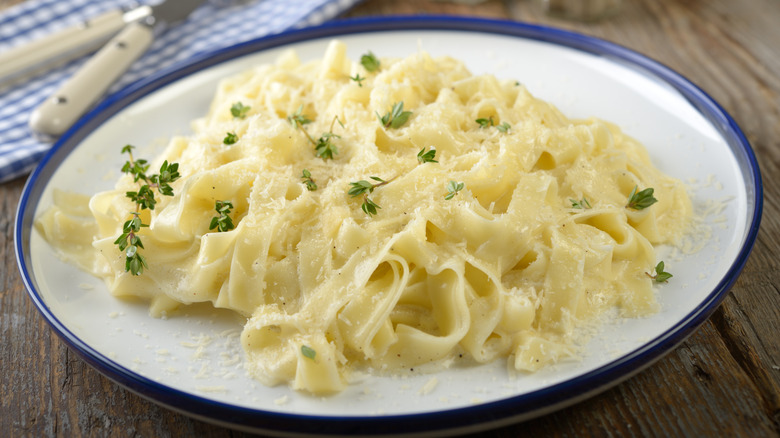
459, 420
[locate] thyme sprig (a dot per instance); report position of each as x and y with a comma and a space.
486, 123
359, 79
453, 187
427, 157
129, 241
230, 138
239, 110
298, 118
370, 62
660, 275
223, 222
308, 352
365, 188
308, 180
581, 204
323, 146
641, 200
396, 117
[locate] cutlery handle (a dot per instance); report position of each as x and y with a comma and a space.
67, 44
58, 113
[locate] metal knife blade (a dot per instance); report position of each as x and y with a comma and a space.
58, 113
171, 12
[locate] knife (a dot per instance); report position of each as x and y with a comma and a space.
58, 113
67, 44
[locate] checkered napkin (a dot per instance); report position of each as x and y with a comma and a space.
216, 24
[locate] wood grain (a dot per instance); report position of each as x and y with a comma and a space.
723, 381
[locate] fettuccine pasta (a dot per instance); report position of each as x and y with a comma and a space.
515, 234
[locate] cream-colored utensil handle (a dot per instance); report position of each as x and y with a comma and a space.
58, 113
66, 44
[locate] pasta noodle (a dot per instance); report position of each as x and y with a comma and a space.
537, 242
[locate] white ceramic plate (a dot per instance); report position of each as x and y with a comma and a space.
193, 362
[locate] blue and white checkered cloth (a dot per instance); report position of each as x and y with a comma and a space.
216, 24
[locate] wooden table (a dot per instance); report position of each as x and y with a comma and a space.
723, 381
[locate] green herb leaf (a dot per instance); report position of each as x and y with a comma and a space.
396, 117
370, 62
168, 174
360, 187
485, 123
364, 187
359, 79
660, 276
223, 222
230, 138
298, 118
641, 200
239, 110
581, 204
308, 180
324, 147
453, 188
308, 352
427, 157
368, 206
135, 264
143, 198
137, 168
